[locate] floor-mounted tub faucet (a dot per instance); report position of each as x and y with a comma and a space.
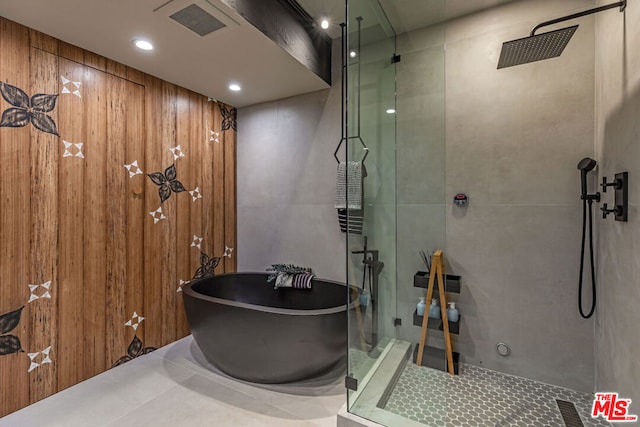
374, 267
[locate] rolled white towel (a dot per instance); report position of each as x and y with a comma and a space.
284, 280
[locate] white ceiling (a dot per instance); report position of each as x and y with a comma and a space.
237, 53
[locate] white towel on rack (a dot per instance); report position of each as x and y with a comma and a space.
349, 184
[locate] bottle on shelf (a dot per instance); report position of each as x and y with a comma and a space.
434, 309
452, 312
421, 306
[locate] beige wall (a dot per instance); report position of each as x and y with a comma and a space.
618, 149
286, 183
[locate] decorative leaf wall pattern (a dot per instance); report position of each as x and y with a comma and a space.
76, 86
227, 251
135, 321
133, 169
44, 292
27, 110
177, 152
207, 266
135, 349
9, 321
157, 215
228, 117
10, 344
197, 242
167, 181
39, 358
196, 194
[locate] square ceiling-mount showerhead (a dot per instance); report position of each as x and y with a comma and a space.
535, 48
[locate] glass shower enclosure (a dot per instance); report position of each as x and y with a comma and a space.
369, 149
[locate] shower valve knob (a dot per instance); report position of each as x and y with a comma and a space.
617, 184
617, 210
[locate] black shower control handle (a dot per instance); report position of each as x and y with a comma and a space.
617, 184
617, 210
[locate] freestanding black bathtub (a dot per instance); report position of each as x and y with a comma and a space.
253, 332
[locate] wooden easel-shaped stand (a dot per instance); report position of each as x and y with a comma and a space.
437, 270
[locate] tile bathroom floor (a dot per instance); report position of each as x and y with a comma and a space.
172, 387
482, 397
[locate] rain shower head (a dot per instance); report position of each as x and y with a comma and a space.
535, 48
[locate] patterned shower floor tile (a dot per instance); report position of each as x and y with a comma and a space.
482, 397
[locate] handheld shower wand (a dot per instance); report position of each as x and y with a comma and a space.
585, 166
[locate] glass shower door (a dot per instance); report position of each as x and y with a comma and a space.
370, 144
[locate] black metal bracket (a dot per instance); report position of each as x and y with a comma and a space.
591, 197
395, 58
350, 383
621, 4
397, 321
364, 147
622, 195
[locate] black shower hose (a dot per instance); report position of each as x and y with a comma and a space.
593, 273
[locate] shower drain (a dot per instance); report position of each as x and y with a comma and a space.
569, 414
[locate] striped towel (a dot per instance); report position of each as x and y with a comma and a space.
297, 281
303, 280
350, 180
349, 185
351, 221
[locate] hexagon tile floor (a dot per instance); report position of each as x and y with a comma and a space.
482, 397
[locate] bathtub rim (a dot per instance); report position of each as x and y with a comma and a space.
186, 289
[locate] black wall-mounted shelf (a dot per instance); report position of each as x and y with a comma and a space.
436, 358
454, 327
452, 282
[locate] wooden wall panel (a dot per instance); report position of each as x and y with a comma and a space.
213, 168
72, 214
15, 227
71, 233
198, 137
115, 197
153, 231
45, 156
136, 214
229, 205
44, 42
183, 201
94, 97
166, 261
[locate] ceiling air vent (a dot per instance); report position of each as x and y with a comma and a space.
197, 20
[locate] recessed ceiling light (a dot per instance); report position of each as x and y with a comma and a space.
353, 54
235, 87
142, 44
391, 111
324, 23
